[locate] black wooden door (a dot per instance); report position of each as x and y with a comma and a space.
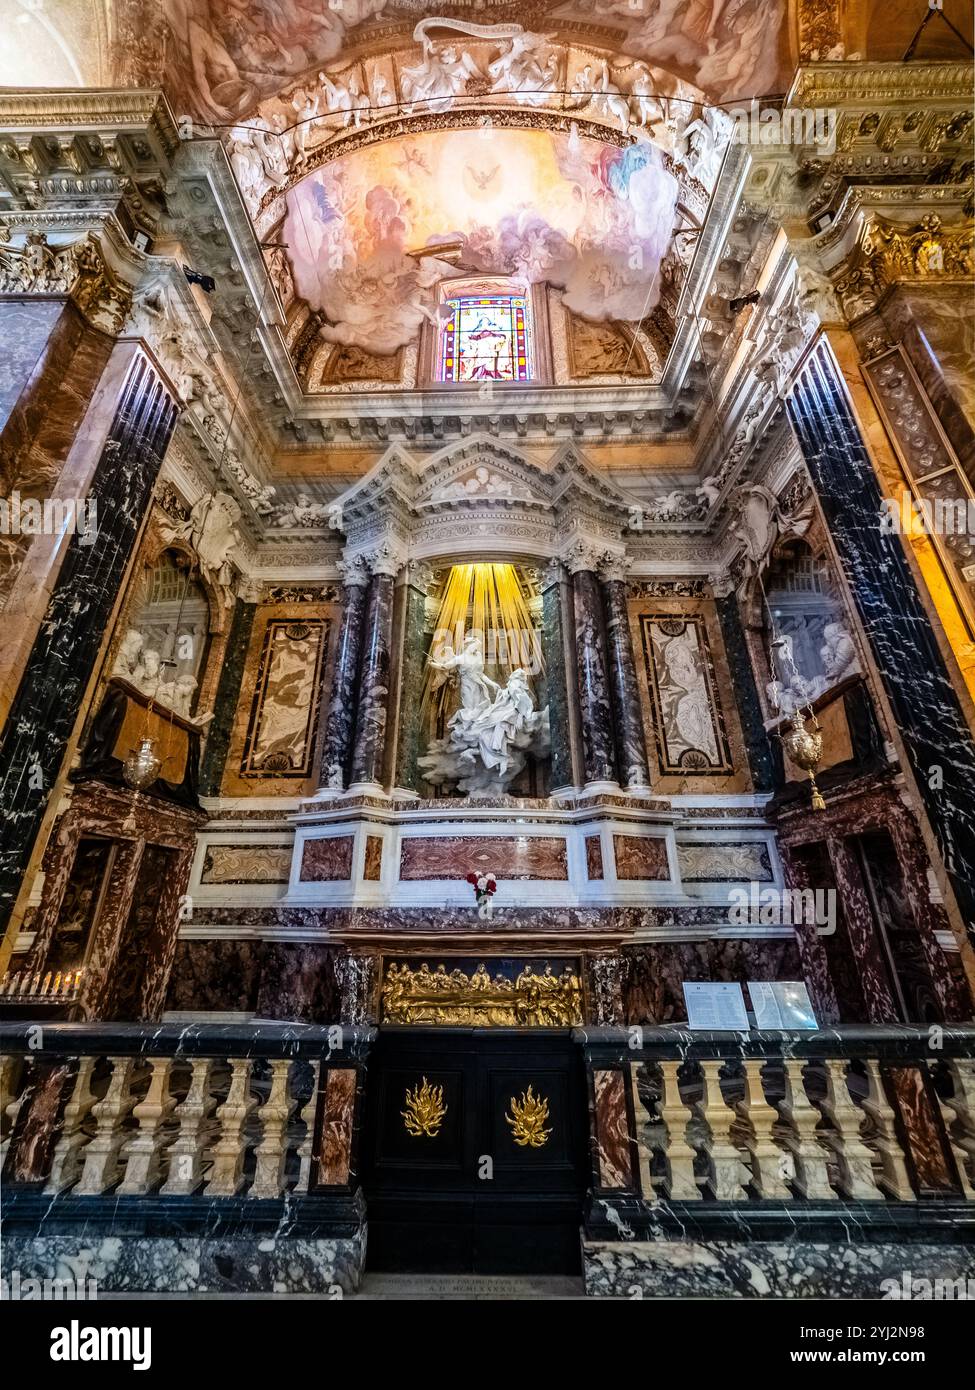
464, 1194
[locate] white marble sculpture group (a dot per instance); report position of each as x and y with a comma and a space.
490, 737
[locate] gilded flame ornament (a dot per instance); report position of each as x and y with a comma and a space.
805, 749
527, 1120
425, 1110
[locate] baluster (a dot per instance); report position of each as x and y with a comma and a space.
852, 1155
800, 1118
183, 1159
758, 1117
642, 1116
66, 1160
958, 1111
307, 1118
727, 1170
680, 1183
102, 1168
228, 1152
894, 1179
272, 1151
143, 1151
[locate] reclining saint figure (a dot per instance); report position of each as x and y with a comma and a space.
489, 738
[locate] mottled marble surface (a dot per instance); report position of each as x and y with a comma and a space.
323, 861
373, 861
509, 857
219, 733
594, 857
556, 688
904, 646
641, 856
340, 716
631, 753
614, 1160
753, 1269
764, 756
372, 707
57, 673
598, 737
653, 974
192, 1264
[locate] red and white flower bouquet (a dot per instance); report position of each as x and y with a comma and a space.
485, 886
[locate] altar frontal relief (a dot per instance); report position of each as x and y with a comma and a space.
480, 697
374, 233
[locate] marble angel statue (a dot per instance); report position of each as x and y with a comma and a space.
489, 738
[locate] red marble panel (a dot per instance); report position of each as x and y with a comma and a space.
509, 857
921, 1127
594, 857
613, 1151
335, 1123
641, 857
373, 866
323, 861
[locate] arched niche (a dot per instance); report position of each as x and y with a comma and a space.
166, 635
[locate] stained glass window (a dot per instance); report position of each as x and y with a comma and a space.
485, 338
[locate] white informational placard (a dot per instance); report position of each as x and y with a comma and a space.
715, 1005
781, 1004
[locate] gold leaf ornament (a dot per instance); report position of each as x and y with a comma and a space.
425, 1110
527, 1120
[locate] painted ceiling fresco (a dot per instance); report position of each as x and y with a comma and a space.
372, 234
221, 57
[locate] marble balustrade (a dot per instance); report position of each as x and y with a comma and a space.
847, 1114
217, 1111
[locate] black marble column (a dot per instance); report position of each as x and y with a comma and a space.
631, 748
764, 756
48, 700
227, 698
598, 741
372, 707
924, 703
553, 651
340, 716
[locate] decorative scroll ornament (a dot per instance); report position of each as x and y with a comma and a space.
77, 270
425, 1110
527, 1120
887, 253
805, 749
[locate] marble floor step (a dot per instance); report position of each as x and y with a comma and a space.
424, 1287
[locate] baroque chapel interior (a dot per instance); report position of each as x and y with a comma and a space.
487, 560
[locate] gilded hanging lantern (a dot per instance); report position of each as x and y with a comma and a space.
805, 749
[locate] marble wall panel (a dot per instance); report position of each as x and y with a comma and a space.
272, 747
25, 329
509, 857
641, 857
336, 1118
246, 863
724, 863
653, 973
293, 981
594, 857
704, 706
614, 1158
324, 861
373, 865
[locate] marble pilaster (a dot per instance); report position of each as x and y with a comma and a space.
48, 701
599, 760
631, 751
905, 648
340, 714
372, 706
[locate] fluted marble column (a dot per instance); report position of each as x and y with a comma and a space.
598, 741
372, 706
631, 748
340, 717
